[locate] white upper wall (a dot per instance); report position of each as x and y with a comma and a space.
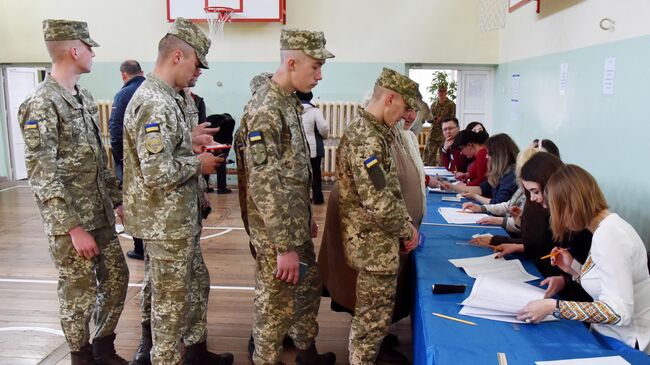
564, 25
414, 31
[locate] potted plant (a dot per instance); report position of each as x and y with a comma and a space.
441, 78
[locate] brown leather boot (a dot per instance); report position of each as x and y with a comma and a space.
198, 354
104, 351
142, 354
310, 356
83, 356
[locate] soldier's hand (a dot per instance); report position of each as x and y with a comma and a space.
119, 210
204, 128
83, 242
200, 141
414, 241
209, 162
287, 267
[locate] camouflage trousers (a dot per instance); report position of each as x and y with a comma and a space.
86, 288
431, 151
175, 296
282, 308
372, 316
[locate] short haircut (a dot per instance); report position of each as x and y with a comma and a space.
467, 136
451, 119
130, 67
170, 43
58, 49
574, 199
503, 155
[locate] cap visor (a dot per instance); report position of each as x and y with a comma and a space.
90, 42
202, 61
319, 54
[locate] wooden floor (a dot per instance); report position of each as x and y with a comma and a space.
29, 323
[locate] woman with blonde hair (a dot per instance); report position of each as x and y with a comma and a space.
615, 272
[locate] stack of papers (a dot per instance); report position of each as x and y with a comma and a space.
489, 266
500, 299
608, 360
441, 171
456, 216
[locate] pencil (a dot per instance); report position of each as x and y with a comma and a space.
453, 319
552, 254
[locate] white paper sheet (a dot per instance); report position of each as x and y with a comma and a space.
455, 216
489, 266
609, 360
502, 294
495, 315
433, 171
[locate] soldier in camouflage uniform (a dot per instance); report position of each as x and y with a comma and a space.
275, 163
161, 195
373, 214
76, 195
442, 109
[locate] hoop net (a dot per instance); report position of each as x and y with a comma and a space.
492, 14
217, 17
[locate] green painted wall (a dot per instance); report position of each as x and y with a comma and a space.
609, 136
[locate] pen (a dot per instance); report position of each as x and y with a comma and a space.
552, 254
453, 319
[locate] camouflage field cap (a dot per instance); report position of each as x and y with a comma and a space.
407, 88
191, 34
67, 30
312, 43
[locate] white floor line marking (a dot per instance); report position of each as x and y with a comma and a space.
216, 234
132, 285
33, 329
14, 187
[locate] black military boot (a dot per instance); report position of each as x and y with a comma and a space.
312, 357
83, 356
198, 354
142, 356
104, 351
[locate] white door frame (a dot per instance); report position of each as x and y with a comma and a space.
489, 103
6, 124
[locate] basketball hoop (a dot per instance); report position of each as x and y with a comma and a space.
217, 16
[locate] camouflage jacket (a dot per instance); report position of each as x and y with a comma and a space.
160, 170
277, 170
66, 161
441, 111
373, 213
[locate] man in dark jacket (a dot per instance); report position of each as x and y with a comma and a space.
132, 78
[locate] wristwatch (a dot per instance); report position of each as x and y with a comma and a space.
556, 311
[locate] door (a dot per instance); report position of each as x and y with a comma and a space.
474, 102
20, 81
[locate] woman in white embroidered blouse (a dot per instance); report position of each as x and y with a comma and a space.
615, 273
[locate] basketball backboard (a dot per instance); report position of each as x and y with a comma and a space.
244, 10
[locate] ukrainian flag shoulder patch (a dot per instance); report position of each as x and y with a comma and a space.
370, 161
152, 127
255, 136
31, 124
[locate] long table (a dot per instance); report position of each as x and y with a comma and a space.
440, 341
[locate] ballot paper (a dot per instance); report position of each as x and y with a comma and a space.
500, 299
441, 171
608, 360
456, 216
495, 267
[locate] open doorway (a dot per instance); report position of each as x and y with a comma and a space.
18, 82
473, 94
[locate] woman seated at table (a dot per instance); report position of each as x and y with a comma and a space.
615, 273
501, 152
472, 146
476, 127
502, 213
536, 238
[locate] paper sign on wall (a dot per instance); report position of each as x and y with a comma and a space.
514, 97
608, 76
564, 76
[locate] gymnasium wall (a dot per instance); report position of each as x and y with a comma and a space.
608, 135
365, 35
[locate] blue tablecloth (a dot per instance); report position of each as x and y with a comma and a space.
441, 341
